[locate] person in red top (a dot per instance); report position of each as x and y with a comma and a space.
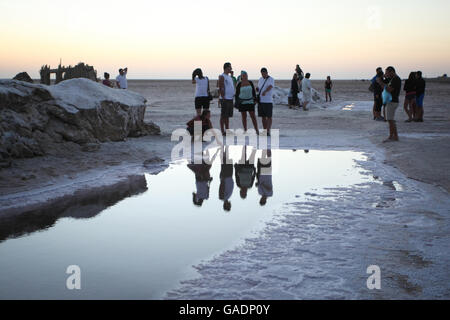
205, 118
107, 82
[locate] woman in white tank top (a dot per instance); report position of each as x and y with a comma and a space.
201, 91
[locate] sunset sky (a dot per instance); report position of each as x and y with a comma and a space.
168, 39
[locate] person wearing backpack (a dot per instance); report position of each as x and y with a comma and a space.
245, 100
245, 172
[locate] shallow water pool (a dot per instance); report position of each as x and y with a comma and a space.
141, 239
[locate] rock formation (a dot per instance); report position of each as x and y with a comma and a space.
23, 76
35, 118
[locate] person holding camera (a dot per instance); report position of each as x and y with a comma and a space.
265, 99
121, 79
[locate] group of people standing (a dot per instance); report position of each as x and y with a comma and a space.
414, 88
238, 93
386, 87
245, 175
302, 83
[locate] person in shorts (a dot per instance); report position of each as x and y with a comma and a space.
226, 186
410, 97
420, 95
393, 87
227, 92
245, 100
202, 100
265, 97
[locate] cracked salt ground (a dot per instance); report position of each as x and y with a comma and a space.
314, 238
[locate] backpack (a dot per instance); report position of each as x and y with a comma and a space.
245, 175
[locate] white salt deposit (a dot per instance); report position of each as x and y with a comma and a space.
87, 94
76, 94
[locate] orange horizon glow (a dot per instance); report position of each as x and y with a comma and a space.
345, 39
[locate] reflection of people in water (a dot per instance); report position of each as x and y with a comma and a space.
226, 180
202, 180
264, 177
245, 172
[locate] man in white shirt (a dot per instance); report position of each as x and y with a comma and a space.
227, 91
121, 79
265, 95
307, 91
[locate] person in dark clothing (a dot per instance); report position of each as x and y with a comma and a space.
205, 118
328, 88
378, 86
394, 87
410, 97
294, 102
299, 72
420, 95
245, 172
373, 82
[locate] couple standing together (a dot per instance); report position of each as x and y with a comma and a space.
243, 95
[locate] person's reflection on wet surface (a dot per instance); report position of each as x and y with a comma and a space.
245, 172
202, 179
264, 176
226, 179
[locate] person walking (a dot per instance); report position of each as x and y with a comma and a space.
420, 95
307, 91
265, 99
410, 97
245, 100
393, 87
227, 92
202, 93
328, 87
121, 79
